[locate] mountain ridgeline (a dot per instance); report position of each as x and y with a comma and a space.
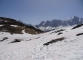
13, 26
57, 22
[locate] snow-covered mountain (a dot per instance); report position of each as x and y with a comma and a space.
16, 27
49, 25
61, 44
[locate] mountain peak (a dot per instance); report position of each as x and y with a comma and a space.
74, 17
56, 23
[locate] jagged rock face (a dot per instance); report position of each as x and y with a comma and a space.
56, 23
13, 26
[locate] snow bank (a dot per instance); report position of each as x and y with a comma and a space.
32, 48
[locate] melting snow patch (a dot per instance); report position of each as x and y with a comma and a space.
14, 25
1, 25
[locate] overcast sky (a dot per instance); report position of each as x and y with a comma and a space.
35, 11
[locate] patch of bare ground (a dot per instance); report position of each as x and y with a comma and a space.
19, 29
79, 34
16, 40
54, 40
77, 26
60, 33
5, 38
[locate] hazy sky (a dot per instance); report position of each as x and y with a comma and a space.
35, 11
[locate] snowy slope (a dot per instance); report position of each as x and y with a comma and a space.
32, 47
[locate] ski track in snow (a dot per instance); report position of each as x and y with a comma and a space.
31, 47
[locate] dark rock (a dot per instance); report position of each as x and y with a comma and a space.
77, 26
54, 40
5, 38
79, 34
16, 40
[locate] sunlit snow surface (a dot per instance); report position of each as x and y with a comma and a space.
31, 46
